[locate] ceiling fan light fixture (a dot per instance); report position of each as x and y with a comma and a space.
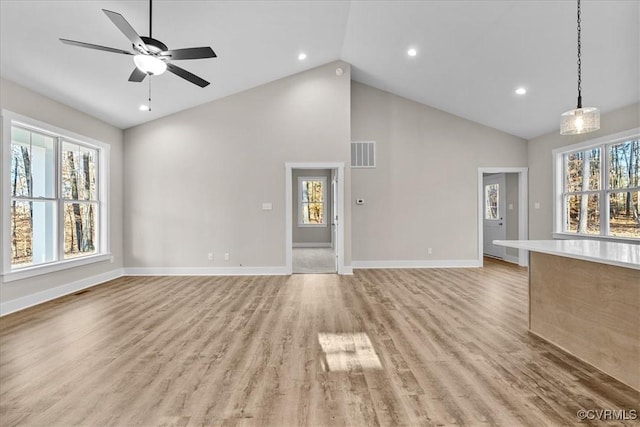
150, 64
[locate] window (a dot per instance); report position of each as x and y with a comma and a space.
56, 197
312, 201
598, 192
491, 201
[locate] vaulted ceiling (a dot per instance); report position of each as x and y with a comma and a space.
471, 55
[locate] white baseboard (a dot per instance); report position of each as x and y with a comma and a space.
27, 301
311, 245
205, 271
347, 270
455, 263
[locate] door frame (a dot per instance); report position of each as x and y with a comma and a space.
523, 209
339, 210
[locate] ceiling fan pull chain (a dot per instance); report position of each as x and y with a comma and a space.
149, 93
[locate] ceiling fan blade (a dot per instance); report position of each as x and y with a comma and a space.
95, 46
187, 75
190, 53
137, 75
126, 29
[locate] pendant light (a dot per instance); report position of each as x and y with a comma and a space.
580, 120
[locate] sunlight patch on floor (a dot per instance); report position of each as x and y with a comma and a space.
348, 352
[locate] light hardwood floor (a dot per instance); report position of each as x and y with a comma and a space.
399, 347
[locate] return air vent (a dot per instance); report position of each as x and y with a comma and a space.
363, 154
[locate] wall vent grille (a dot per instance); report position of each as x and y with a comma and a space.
363, 154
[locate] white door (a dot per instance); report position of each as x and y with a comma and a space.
494, 214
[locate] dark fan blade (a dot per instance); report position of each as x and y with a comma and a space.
187, 75
137, 75
126, 29
95, 46
190, 53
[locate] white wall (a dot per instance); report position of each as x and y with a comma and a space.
196, 180
23, 101
423, 192
310, 234
540, 165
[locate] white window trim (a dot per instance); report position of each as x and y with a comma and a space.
558, 186
324, 200
104, 250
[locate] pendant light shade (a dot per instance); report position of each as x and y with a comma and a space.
579, 120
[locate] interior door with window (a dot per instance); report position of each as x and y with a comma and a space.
494, 214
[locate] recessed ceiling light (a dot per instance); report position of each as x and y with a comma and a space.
302, 56
412, 52
143, 108
521, 91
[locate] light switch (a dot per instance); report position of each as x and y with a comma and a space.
510, 206
267, 206
536, 205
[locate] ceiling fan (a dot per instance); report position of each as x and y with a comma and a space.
150, 56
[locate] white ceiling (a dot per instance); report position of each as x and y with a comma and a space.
472, 55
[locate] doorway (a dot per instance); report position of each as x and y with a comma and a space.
494, 217
314, 206
502, 212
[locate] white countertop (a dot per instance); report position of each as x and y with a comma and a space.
619, 254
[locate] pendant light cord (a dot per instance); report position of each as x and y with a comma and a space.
579, 61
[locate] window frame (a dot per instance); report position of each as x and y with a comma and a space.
323, 179
559, 180
103, 252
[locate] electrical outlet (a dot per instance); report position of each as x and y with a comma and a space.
112, 259
430, 251
226, 256
210, 256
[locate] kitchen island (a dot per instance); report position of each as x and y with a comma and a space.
584, 297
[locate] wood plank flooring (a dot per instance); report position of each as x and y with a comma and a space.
452, 348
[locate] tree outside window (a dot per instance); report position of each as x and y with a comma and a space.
52, 179
312, 201
600, 190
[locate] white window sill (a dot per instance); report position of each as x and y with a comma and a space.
37, 270
572, 236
